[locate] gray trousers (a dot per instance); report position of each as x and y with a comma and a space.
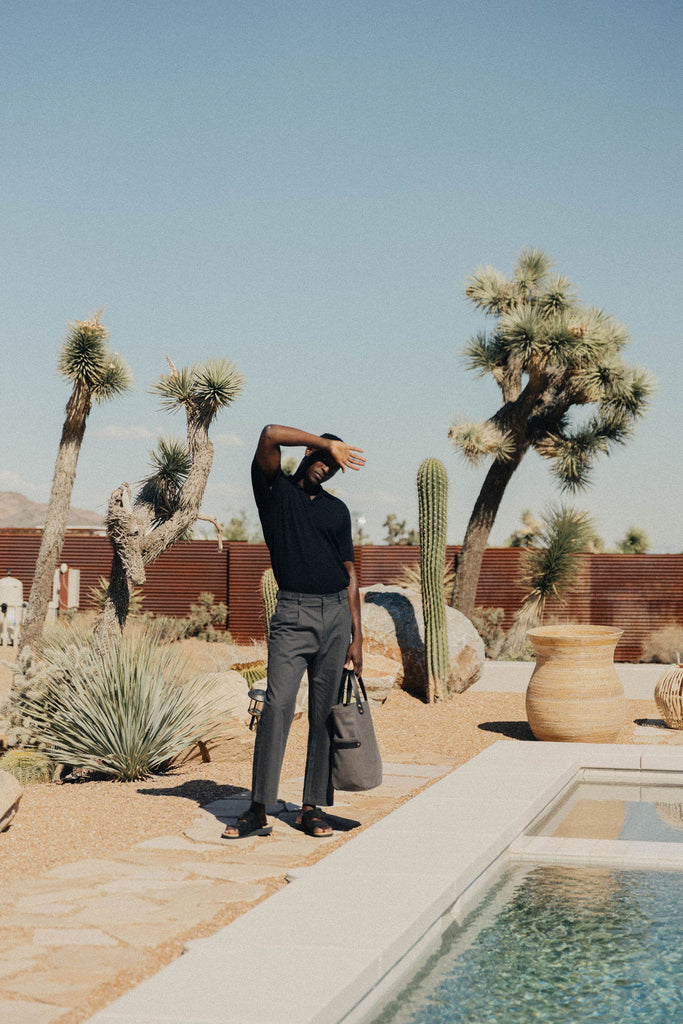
307, 631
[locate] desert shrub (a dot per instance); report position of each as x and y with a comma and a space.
410, 578
205, 615
664, 645
158, 628
487, 622
28, 766
125, 712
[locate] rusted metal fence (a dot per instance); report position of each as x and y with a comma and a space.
636, 593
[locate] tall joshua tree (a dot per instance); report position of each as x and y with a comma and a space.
548, 354
97, 374
168, 502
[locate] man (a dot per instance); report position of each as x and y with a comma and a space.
316, 624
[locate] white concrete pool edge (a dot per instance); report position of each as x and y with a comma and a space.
311, 953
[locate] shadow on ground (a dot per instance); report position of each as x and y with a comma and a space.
513, 730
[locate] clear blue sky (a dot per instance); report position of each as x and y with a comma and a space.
303, 187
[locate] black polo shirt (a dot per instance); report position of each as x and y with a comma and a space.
309, 539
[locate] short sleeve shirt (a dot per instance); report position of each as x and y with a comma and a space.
309, 539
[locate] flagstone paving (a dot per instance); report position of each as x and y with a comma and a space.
77, 927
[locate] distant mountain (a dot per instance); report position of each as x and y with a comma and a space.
20, 513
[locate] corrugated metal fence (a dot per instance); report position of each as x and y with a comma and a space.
637, 593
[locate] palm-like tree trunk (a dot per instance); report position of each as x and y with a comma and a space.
478, 531
77, 410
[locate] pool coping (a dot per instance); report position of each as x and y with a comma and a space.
355, 922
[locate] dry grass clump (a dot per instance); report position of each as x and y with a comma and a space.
664, 645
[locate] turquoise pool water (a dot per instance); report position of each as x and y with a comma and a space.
557, 945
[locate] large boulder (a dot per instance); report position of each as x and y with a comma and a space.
10, 795
393, 626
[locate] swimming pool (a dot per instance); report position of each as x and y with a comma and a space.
561, 945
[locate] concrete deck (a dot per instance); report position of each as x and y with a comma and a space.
351, 926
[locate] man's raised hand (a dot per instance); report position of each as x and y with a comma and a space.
345, 455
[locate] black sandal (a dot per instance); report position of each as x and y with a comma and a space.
248, 824
311, 820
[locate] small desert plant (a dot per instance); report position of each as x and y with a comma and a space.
28, 766
125, 711
552, 569
205, 614
98, 596
664, 645
253, 671
488, 624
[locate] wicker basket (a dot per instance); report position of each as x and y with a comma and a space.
669, 696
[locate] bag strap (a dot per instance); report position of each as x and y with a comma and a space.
352, 688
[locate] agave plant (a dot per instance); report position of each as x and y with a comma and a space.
124, 711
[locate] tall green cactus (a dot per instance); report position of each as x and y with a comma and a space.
432, 491
269, 595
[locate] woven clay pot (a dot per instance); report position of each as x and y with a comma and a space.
669, 696
575, 694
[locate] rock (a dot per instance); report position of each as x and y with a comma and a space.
380, 675
393, 626
10, 795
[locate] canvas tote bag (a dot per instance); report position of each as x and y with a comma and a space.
356, 760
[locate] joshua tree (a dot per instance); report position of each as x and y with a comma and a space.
168, 502
97, 374
634, 542
548, 354
551, 569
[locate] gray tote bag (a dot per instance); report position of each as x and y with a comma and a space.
356, 760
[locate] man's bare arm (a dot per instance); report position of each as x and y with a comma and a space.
354, 655
274, 437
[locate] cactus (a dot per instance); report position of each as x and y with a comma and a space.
432, 490
27, 766
269, 595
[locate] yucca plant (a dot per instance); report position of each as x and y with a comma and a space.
125, 710
551, 570
549, 355
97, 375
98, 595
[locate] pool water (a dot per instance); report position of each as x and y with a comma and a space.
627, 811
557, 945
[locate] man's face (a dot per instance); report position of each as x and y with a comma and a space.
321, 467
